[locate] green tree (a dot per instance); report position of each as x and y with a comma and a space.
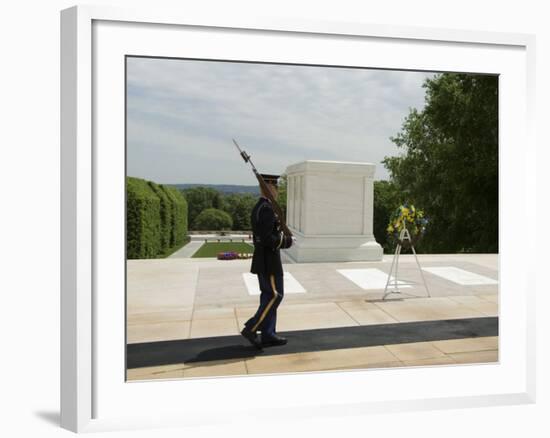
199, 199
450, 163
386, 199
213, 219
281, 198
239, 206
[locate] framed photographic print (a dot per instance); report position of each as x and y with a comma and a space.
256, 206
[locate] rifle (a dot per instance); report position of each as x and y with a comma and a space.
266, 190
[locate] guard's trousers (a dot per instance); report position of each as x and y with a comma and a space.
271, 295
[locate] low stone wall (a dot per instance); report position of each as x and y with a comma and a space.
217, 238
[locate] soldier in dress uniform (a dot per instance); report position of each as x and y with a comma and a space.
266, 263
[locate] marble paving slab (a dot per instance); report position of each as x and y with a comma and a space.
460, 276
292, 286
371, 278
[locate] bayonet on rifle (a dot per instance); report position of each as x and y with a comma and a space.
266, 190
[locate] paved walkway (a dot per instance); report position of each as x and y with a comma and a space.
194, 299
445, 352
187, 251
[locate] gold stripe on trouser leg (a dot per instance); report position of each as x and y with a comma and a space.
264, 313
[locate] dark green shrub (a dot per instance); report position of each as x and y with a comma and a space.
199, 199
386, 197
143, 220
166, 215
239, 206
213, 219
178, 227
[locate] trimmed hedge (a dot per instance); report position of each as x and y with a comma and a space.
165, 216
143, 221
156, 219
179, 215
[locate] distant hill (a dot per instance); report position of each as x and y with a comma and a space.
226, 189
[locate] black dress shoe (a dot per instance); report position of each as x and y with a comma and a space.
273, 340
251, 337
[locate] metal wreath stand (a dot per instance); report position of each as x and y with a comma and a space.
404, 235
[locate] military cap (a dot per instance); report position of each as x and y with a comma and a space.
270, 179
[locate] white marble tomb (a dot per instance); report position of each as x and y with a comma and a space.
330, 211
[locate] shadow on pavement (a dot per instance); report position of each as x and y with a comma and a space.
236, 352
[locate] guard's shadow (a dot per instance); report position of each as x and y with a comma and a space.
227, 353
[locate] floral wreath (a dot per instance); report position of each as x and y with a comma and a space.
232, 255
414, 220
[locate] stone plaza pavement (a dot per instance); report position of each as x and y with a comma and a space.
180, 299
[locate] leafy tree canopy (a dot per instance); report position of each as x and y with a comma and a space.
386, 198
239, 206
199, 199
282, 193
449, 165
213, 219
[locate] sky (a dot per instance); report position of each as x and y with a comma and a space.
183, 114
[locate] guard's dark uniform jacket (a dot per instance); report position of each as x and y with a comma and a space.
266, 263
268, 239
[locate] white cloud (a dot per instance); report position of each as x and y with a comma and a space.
182, 115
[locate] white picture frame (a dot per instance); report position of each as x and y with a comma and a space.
93, 397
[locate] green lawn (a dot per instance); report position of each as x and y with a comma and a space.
211, 249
